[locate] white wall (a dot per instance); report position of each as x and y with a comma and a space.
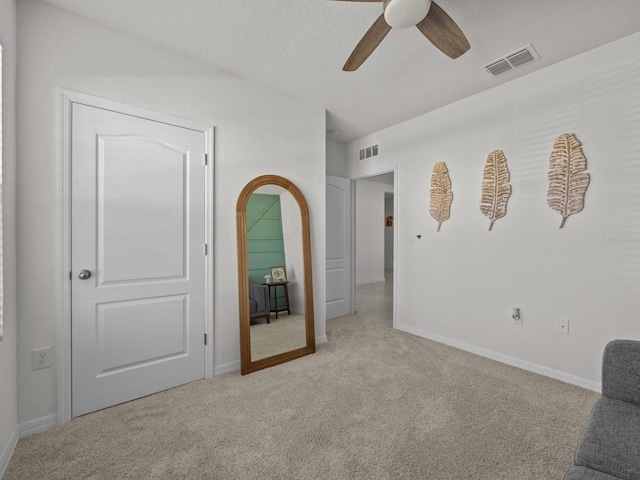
370, 231
336, 159
292, 239
458, 285
258, 131
8, 346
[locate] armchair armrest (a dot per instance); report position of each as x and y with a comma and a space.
260, 294
621, 371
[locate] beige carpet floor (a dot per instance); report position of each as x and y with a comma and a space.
373, 403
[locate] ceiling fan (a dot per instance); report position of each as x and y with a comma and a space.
431, 20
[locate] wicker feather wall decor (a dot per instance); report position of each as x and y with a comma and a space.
496, 188
568, 179
441, 194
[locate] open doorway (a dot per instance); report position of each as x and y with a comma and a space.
374, 248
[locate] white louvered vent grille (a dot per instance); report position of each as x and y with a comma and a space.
499, 67
368, 152
513, 60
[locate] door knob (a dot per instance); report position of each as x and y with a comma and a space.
84, 274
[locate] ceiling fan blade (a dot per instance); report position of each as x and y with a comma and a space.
443, 32
367, 44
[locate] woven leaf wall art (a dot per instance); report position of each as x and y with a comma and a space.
441, 194
496, 188
568, 179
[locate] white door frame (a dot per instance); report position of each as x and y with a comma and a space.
67, 99
392, 169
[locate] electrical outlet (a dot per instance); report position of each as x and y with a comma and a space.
562, 326
41, 358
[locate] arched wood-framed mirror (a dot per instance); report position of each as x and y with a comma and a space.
287, 330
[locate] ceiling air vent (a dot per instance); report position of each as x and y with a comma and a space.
496, 68
513, 60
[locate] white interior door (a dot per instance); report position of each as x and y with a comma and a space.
338, 273
137, 233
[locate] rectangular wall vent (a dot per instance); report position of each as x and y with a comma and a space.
516, 59
368, 152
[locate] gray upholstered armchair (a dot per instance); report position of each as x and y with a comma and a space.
259, 305
610, 445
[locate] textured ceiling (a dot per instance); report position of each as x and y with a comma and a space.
300, 46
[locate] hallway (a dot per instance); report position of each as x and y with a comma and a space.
374, 301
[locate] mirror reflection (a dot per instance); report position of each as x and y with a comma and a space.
275, 284
276, 272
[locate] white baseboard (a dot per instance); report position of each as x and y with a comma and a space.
38, 425
226, 368
7, 452
321, 339
514, 362
371, 280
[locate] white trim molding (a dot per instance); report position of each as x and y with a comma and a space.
7, 452
227, 368
37, 425
499, 357
396, 215
369, 281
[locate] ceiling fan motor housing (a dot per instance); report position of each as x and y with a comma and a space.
405, 13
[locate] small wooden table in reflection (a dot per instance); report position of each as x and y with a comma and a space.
275, 308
